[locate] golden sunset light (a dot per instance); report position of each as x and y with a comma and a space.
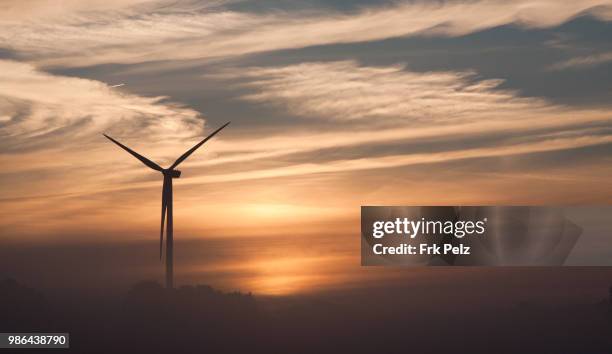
282, 176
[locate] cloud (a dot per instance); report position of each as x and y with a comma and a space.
345, 91
17, 10
79, 11
162, 31
374, 106
377, 106
38, 109
51, 144
353, 122
44, 119
50, 132
583, 62
64, 174
382, 106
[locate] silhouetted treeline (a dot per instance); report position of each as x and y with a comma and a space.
148, 319
199, 319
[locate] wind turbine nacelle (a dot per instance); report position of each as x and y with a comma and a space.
173, 173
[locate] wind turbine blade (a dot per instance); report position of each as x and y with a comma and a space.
190, 151
163, 216
142, 159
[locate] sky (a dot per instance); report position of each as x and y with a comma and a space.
333, 104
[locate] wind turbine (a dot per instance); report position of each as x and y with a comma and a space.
169, 173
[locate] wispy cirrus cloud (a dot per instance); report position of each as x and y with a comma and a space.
392, 104
346, 91
50, 124
388, 104
187, 30
20, 10
38, 109
51, 131
444, 117
52, 146
582, 62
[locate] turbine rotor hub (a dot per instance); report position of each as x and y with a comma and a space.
172, 173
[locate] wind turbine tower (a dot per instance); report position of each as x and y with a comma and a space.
169, 174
